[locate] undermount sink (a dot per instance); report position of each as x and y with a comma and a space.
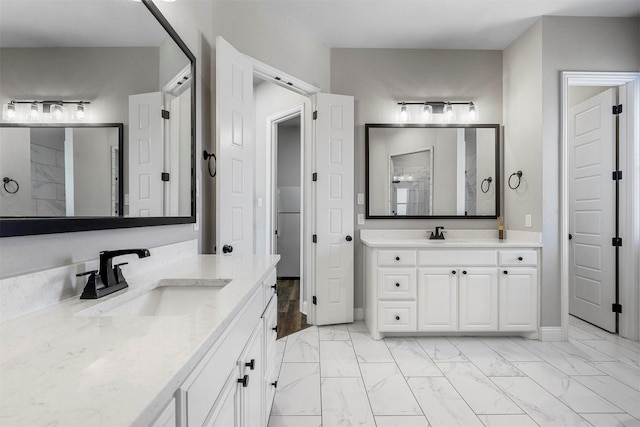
169, 298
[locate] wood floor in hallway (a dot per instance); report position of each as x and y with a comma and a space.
290, 320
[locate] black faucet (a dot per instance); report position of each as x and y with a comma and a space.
109, 278
437, 235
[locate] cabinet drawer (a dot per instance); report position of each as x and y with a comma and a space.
456, 258
526, 257
397, 316
396, 258
270, 317
397, 283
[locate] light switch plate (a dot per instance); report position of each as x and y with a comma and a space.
527, 220
360, 219
361, 198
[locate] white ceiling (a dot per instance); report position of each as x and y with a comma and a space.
419, 24
435, 24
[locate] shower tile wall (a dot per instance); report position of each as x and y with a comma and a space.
471, 173
47, 172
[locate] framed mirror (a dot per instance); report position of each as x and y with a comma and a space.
128, 160
432, 171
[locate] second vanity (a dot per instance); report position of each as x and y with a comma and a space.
471, 282
88, 362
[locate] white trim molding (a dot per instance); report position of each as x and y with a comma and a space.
552, 333
629, 192
358, 314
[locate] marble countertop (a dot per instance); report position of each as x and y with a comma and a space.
453, 239
61, 368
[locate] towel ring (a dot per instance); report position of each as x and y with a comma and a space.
518, 176
488, 181
207, 156
6, 180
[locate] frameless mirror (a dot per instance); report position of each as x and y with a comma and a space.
432, 171
123, 65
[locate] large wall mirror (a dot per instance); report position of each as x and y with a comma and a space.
432, 171
129, 159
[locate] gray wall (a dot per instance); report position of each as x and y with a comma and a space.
532, 65
15, 153
378, 78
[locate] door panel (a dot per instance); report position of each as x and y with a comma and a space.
592, 210
235, 149
334, 209
146, 155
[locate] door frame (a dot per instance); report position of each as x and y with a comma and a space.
307, 266
629, 190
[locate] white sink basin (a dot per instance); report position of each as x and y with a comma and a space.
169, 298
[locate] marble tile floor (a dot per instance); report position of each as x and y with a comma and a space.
337, 376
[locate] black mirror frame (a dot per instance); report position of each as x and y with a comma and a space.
368, 126
10, 227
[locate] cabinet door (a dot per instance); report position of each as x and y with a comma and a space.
518, 299
437, 299
226, 412
478, 300
251, 369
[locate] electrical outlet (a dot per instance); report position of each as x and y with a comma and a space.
360, 219
527, 220
361, 198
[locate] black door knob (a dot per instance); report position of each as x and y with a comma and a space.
227, 249
570, 236
349, 238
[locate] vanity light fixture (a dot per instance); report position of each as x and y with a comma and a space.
437, 111
35, 111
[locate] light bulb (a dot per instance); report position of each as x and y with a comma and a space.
56, 112
404, 114
427, 111
80, 112
448, 112
11, 111
34, 114
473, 112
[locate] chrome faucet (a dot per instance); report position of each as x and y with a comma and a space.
437, 235
109, 278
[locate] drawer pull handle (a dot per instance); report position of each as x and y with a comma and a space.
275, 384
464, 271
505, 272
519, 258
251, 365
397, 317
397, 285
453, 272
274, 287
397, 258
244, 381
275, 329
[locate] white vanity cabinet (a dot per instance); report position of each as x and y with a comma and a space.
228, 388
433, 288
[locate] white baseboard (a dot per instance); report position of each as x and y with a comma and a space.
304, 308
358, 314
551, 333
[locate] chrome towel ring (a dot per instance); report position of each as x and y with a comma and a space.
7, 182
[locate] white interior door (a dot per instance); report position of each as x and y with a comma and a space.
146, 153
334, 209
592, 210
235, 149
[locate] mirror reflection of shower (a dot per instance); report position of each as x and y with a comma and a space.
411, 183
